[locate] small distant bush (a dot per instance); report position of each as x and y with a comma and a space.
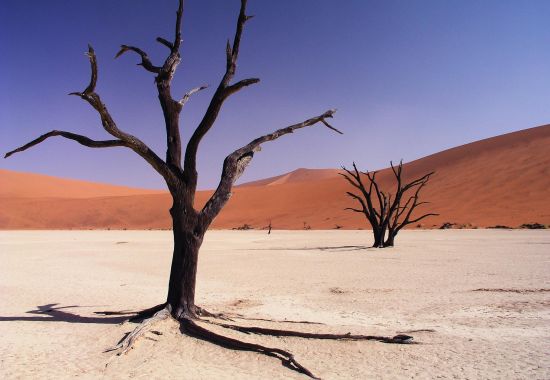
447, 225
533, 226
457, 226
244, 227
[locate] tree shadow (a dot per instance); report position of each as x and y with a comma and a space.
340, 248
51, 313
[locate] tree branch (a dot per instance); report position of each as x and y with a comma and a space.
177, 34
145, 61
418, 181
110, 126
239, 85
415, 204
358, 183
235, 164
394, 207
351, 182
171, 108
83, 140
354, 209
403, 209
223, 91
378, 193
397, 172
331, 127
188, 94
232, 59
362, 203
93, 79
166, 43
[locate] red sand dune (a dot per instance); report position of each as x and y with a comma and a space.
30, 185
502, 180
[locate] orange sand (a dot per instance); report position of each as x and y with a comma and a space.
501, 180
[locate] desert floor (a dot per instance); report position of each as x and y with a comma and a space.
476, 301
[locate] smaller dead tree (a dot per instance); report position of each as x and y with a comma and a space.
386, 212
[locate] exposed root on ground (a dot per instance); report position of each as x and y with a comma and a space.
417, 330
512, 290
148, 313
189, 327
397, 339
121, 312
127, 342
240, 316
201, 312
135, 316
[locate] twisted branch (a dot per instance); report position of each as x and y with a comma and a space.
189, 93
83, 140
223, 91
236, 162
145, 61
132, 142
166, 43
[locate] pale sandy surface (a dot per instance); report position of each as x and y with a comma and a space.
426, 283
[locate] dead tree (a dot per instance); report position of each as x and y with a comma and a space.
189, 224
387, 213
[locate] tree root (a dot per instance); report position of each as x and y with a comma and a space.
189, 327
201, 312
397, 339
240, 316
121, 312
148, 313
135, 316
127, 342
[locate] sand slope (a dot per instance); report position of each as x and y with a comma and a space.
503, 180
29, 185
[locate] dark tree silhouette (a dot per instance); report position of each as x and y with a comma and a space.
189, 224
387, 213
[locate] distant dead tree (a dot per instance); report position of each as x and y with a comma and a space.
188, 224
269, 227
387, 213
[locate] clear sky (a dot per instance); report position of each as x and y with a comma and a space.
409, 78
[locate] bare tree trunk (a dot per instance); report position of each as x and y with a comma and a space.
188, 237
391, 238
377, 239
379, 235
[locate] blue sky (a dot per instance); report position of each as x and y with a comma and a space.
409, 78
